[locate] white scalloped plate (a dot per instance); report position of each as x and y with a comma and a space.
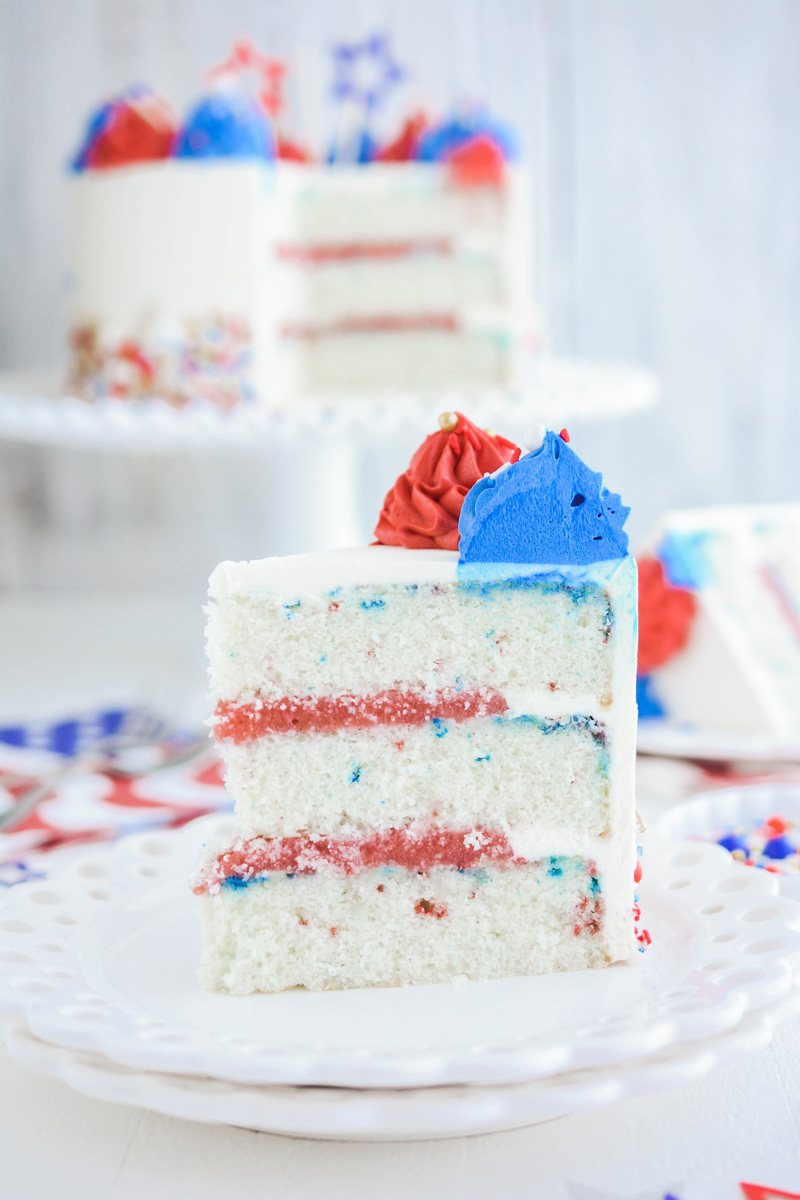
32, 410
103, 956
385, 1115
662, 739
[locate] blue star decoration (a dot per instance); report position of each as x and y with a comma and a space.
365, 72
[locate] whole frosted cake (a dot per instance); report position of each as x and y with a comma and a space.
217, 259
430, 741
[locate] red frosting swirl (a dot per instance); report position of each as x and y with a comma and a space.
422, 509
139, 131
404, 147
666, 615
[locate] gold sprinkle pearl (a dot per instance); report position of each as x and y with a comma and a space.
490, 433
448, 421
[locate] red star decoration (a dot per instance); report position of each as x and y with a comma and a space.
245, 56
756, 1191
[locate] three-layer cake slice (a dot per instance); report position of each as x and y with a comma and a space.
431, 752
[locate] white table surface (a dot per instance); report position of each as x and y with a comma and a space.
59, 654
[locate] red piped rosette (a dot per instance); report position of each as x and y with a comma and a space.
139, 130
666, 616
404, 146
478, 163
422, 509
289, 151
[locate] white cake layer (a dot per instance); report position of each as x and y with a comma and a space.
396, 202
486, 772
397, 361
405, 285
334, 931
542, 644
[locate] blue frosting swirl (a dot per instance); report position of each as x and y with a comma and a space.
685, 558
546, 508
439, 143
226, 124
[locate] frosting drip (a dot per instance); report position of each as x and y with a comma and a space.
422, 509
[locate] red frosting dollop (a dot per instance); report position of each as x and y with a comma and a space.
404, 146
666, 615
422, 509
139, 131
478, 163
291, 151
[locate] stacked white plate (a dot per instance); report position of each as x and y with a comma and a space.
97, 982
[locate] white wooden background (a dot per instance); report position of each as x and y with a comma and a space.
664, 139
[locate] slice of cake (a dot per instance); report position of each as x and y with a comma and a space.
431, 749
720, 621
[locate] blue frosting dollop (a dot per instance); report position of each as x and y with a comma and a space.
227, 124
438, 144
647, 702
684, 557
549, 507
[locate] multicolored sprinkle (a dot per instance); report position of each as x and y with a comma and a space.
773, 845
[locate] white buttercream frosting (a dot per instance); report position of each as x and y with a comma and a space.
323, 570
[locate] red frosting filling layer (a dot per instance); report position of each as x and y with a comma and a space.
344, 251
444, 322
324, 714
407, 848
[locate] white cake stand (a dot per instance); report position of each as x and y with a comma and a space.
330, 441
34, 410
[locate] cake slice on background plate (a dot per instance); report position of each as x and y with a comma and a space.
430, 741
719, 644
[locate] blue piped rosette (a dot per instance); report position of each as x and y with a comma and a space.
228, 123
548, 507
437, 144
